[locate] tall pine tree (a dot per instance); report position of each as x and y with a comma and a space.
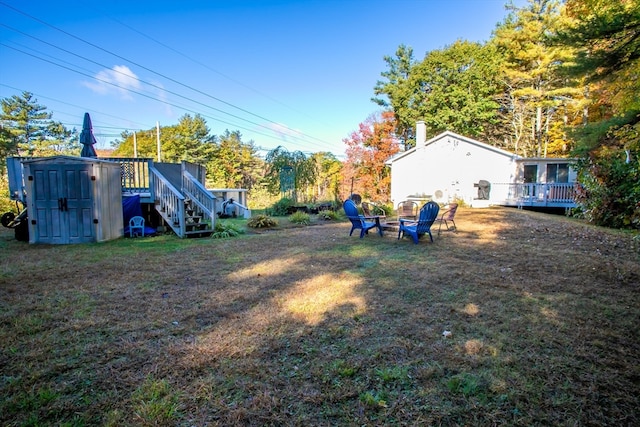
538, 100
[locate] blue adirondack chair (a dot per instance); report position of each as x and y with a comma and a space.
360, 222
416, 228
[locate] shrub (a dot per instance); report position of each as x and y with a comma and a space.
461, 203
223, 230
261, 221
300, 218
328, 215
610, 192
259, 198
281, 207
387, 210
6, 204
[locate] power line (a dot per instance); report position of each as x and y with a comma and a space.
76, 106
144, 94
121, 87
202, 64
164, 76
218, 119
124, 74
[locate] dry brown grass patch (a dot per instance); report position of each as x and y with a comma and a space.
308, 326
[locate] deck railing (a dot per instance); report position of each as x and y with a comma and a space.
196, 170
134, 173
541, 194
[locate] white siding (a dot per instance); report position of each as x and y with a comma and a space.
447, 167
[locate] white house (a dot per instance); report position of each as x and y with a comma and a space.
454, 167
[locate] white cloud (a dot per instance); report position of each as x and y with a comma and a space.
119, 80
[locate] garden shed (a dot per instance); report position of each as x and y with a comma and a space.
73, 199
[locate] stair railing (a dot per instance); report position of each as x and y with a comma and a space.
200, 196
171, 202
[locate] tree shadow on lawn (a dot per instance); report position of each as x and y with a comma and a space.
311, 326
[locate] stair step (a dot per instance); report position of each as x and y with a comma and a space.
197, 227
198, 234
204, 230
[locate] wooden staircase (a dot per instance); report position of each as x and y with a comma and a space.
182, 201
195, 223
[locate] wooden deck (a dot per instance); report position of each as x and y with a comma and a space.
539, 195
175, 190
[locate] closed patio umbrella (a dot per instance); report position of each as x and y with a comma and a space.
87, 139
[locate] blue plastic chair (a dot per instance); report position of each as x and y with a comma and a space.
427, 216
136, 223
360, 222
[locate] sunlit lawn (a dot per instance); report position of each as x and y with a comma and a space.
308, 326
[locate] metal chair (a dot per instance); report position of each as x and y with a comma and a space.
447, 216
407, 209
371, 210
136, 223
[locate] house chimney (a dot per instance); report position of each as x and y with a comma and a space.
421, 133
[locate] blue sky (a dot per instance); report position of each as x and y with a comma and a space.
295, 73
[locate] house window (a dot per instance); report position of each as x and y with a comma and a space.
558, 172
530, 173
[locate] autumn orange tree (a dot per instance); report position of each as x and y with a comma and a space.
364, 171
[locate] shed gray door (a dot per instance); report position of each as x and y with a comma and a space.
62, 204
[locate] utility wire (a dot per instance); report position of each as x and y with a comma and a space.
136, 92
141, 125
144, 128
157, 73
202, 64
124, 74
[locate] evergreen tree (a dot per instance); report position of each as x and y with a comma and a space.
188, 140
606, 36
538, 100
27, 130
234, 164
397, 92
